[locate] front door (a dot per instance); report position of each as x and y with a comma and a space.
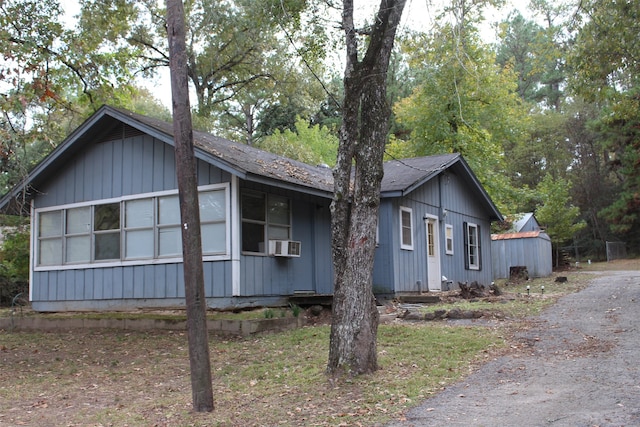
433, 253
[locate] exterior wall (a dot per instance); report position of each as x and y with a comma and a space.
463, 205
406, 270
534, 253
312, 271
530, 225
140, 164
386, 249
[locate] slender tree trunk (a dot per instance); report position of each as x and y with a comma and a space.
200, 364
354, 209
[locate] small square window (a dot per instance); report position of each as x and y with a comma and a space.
448, 236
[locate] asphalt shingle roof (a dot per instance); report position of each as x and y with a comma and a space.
250, 160
250, 163
400, 175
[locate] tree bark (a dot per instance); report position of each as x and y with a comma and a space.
354, 209
199, 360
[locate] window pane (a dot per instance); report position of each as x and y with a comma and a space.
169, 210
406, 236
138, 213
170, 241
139, 244
79, 220
406, 219
50, 223
107, 217
472, 236
78, 249
449, 238
212, 206
214, 238
252, 237
278, 233
279, 210
253, 207
50, 252
430, 239
107, 246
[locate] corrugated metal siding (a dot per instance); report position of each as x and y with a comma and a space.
530, 225
534, 253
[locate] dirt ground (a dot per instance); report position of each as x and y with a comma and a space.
575, 365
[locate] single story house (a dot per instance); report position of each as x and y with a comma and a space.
525, 245
106, 234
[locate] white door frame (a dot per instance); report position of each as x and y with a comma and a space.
432, 238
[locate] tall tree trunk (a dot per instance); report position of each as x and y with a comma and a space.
200, 364
354, 209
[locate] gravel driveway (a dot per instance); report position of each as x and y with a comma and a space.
580, 367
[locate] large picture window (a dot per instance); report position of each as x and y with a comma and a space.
473, 254
142, 228
264, 217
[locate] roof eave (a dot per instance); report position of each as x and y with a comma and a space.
288, 185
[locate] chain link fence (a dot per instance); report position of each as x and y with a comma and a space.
616, 250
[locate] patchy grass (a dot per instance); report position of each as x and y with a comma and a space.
516, 302
619, 264
172, 315
113, 378
141, 379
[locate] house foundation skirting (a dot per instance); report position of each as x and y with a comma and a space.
221, 303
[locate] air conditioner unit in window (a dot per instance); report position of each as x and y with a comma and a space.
284, 248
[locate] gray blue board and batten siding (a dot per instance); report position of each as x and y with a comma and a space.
117, 154
126, 161
447, 190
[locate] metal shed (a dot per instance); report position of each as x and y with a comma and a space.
531, 249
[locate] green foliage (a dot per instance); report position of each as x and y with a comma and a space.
269, 313
555, 213
463, 103
605, 58
295, 309
54, 76
622, 139
606, 48
309, 144
14, 253
518, 38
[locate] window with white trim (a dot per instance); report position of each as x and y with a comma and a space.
473, 254
264, 217
448, 239
406, 228
142, 228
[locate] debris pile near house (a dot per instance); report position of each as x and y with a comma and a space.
472, 290
415, 314
518, 273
